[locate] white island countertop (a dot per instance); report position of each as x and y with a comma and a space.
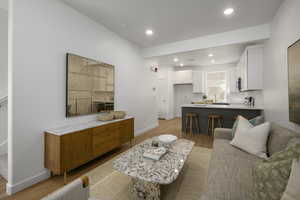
231, 106
81, 126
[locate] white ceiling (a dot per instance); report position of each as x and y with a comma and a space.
174, 20
221, 55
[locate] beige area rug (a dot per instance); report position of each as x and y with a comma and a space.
109, 184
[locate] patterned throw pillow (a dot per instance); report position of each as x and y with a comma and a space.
271, 176
292, 191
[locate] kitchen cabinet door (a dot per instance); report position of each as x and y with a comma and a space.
233, 79
198, 82
251, 68
255, 68
244, 71
183, 77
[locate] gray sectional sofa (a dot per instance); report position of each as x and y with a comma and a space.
230, 173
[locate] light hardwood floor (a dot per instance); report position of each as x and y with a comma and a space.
2, 186
165, 127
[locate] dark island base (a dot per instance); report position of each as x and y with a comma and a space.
229, 116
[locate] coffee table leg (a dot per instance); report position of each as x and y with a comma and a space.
142, 190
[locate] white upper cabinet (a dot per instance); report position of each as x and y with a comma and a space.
250, 68
183, 77
233, 77
198, 81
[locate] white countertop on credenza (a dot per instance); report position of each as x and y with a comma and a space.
231, 106
81, 126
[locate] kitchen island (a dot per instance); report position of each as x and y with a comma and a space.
228, 112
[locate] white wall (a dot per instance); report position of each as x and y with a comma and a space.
183, 94
3, 52
285, 30
165, 92
43, 32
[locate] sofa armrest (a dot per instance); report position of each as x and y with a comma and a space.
223, 133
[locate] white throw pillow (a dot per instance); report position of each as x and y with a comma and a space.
252, 139
292, 191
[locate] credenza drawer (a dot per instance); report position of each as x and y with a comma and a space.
106, 139
76, 149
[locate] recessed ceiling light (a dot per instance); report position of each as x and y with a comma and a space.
210, 55
181, 64
213, 61
228, 11
149, 32
176, 59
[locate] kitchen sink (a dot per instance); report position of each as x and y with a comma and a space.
200, 105
226, 104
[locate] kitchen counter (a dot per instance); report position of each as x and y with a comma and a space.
231, 106
82, 126
228, 114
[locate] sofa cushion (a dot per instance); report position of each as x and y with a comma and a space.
223, 133
230, 174
279, 138
234, 126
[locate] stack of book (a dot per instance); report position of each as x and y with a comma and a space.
155, 153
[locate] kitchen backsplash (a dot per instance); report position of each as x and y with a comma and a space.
238, 98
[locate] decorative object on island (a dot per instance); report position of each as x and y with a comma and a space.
294, 82
69, 147
90, 86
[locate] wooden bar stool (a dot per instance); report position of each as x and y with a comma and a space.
212, 125
190, 117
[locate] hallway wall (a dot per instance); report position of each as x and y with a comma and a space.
43, 32
3, 52
285, 30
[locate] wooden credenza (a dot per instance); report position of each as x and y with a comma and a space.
66, 149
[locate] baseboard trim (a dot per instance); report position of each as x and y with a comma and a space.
142, 131
12, 189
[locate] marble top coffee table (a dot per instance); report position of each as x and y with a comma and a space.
147, 174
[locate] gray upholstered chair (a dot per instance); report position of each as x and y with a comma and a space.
76, 190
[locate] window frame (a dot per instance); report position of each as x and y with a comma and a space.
226, 82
